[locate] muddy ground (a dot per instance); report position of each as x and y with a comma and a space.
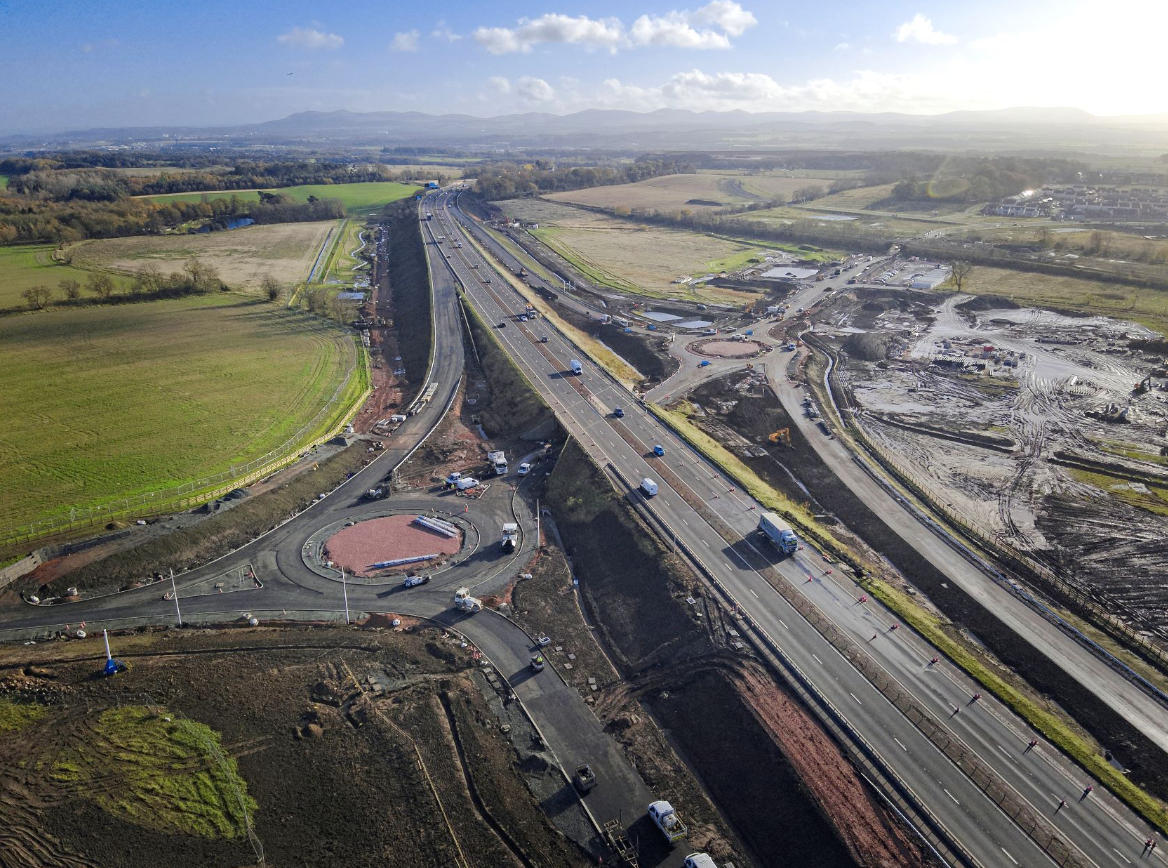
799, 473
342, 773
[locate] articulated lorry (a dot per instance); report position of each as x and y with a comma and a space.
778, 532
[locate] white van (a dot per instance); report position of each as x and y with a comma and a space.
699, 860
648, 487
576, 367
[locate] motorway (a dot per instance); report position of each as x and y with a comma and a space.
1102, 830
292, 591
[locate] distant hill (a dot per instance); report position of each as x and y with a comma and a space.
1021, 128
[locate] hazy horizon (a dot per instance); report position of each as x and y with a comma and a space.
79, 66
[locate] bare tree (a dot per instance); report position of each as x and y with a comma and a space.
272, 288
148, 278
101, 285
38, 297
961, 269
70, 289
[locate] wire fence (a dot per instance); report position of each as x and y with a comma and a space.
198, 491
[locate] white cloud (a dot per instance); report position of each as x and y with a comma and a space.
407, 41
711, 26
535, 89
921, 29
444, 32
843, 46
582, 30
499, 84
308, 38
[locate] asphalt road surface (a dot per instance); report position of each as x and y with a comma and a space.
1103, 830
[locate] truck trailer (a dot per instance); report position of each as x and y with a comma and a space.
778, 532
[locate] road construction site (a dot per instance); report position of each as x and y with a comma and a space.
1042, 430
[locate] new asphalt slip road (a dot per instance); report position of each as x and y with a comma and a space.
1104, 831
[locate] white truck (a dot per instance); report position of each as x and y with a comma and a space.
648, 487
464, 602
778, 532
510, 536
667, 820
576, 367
498, 461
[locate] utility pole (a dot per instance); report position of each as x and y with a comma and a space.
345, 591
174, 592
537, 523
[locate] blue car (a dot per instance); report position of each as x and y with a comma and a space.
704, 363
658, 450
618, 412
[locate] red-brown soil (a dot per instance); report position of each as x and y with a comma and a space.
366, 543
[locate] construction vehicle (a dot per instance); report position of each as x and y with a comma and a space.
537, 663
374, 494
498, 462
464, 602
510, 536
584, 778
778, 532
618, 839
1143, 385
667, 820
783, 435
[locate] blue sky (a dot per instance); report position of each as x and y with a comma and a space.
70, 65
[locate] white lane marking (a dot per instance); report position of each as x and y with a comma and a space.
899, 742
816, 656
1121, 856
683, 521
752, 591
1008, 856
854, 697
950, 795
784, 623
706, 544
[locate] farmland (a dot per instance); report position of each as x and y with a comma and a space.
105, 402
671, 192
243, 256
631, 257
357, 198
1148, 307
28, 266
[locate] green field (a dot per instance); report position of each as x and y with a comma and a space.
105, 402
24, 267
357, 198
3, 182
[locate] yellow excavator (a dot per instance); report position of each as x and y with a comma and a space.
783, 435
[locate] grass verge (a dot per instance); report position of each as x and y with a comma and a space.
1054, 728
624, 373
15, 715
160, 772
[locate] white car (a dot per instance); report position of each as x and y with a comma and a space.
524, 469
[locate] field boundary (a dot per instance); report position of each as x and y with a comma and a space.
191, 494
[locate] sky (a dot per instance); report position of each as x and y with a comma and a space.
75, 65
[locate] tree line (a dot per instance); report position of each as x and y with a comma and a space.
24, 220
511, 180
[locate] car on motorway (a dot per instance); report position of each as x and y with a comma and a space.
502, 324
658, 450
704, 363
415, 581
618, 412
523, 317
524, 469
543, 339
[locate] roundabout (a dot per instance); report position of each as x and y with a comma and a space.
722, 348
393, 544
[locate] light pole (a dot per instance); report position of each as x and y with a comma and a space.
174, 593
345, 592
